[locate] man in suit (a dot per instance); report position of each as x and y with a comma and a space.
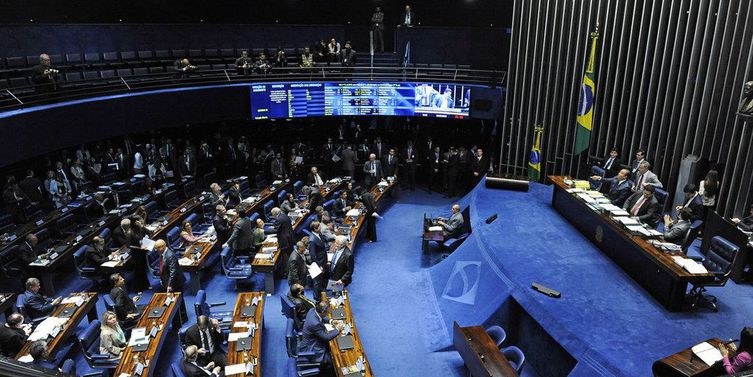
29, 250
221, 223
364, 149
611, 164
643, 206
285, 234
258, 237
409, 166
32, 187
372, 170
240, 239
301, 304
234, 196
124, 306
315, 337
693, 202
318, 255
675, 231
453, 172
619, 188
341, 268
342, 205
408, 19
327, 230
349, 160
120, 233
390, 163
96, 254
191, 368
35, 304
454, 224
170, 271
44, 75
277, 167
315, 178
297, 265
216, 197
377, 26
207, 336
188, 163
13, 335
378, 148
640, 156
369, 202
434, 162
479, 165
645, 177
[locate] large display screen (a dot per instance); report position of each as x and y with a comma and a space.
306, 99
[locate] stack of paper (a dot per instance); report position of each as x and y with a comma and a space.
111, 263
185, 261
138, 337
382, 184
628, 221
574, 190
619, 212
435, 228
269, 250
49, 326
277, 182
76, 300
353, 213
586, 198
708, 353
690, 265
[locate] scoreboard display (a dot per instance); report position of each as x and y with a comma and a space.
311, 99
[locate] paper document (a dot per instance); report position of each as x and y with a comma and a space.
241, 324
235, 369
269, 250
353, 213
185, 261
628, 221
619, 212
76, 300
382, 184
586, 198
329, 327
332, 285
314, 270
708, 353
26, 359
234, 336
690, 265
277, 182
111, 263
435, 228
147, 244
298, 160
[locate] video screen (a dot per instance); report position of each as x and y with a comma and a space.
308, 99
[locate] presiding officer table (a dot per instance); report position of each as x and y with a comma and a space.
650, 267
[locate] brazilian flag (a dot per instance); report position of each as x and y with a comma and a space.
534, 165
586, 101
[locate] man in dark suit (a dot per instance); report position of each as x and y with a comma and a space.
479, 165
188, 163
277, 167
390, 163
301, 304
341, 268
35, 304
120, 233
170, 272
28, 251
640, 156
372, 171
221, 223
96, 254
453, 172
297, 266
124, 306
32, 187
342, 205
191, 368
234, 196
318, 255
349, 160
643, 206
207, 336
409, 166
378, 148
315, 337
285, 234
240, 239
611, 164
693, 202
369, 202
44, 75
315, 178
13, 335
408, 19
675, 231
619, 187
434, 162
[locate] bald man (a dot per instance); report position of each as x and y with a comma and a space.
170, 272
44, 75
191, 368
454, 225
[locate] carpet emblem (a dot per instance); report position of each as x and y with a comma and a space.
462, 285
599, 234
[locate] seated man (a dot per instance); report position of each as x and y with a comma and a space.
746, 224
124, 306
207, 337
643, 206
35, 304
342, 205
675, 231
693, 202
645, 177
327, 230
315, 337
454, 225
39, 355
191, 368
619, 188
611, 164
302, 304
13, 335
96, 254
315, 178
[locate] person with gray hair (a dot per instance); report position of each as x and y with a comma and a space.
326, 230
298, 265
44, 75
191, 368
341, 267
35, 304
645, 176
13, 334
120, 234
39, 354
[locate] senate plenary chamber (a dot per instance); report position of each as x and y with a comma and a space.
450, 188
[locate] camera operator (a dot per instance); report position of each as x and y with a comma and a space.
44, 75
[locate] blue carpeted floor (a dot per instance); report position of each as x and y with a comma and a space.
403, 307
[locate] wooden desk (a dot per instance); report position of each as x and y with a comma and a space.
480, 353
88, 309
263, 196
685, 364
174, 217
347, 358
149, 357
267, 264
431, 236
239, 357
357, 224
204, 249
7, 302
650, 267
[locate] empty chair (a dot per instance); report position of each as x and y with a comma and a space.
719, 260
129, 57
18, 82
72, 76
692, 234
173, 238
146, 57
268, 210
328, 205
112, 59
124, 72
171, 199
661, 196
288, 307
235, 268
281, 197
297, 186
93, 59
91, 75
163, 57
177, 371
141, 71
516, 357
85, 272
497, 333
66, 225
189, 188
294, 370
152, 210
307, 359
16, 62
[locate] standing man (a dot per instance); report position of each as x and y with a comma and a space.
297, 265
479, 165
44, 76
390, 163
240, 240
170, 272
372, 170
369, 202
409, 166
408, 17
434, 162
377, 26
349, 160
285, 234
318, 254
341, 268
645, 177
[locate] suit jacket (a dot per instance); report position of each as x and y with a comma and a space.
696, 207
119, 236
222, 227
26, 254
349, 159
369, 201
408, 158
389, 169
377, 169
32, 187
746, 224
109, 343
11, 340
95, 257
614, 167
123, 305
171, 274
278, 169
234, 197
480, 166
317, 250
287, 206
193, 370
343, 267
340, 205
285, 235
648, 178
676, 232
649, 211
215, 199
311, 180
241, 237
618, 192
314, 336
35, 305
258, 238
454, 225
193, 338
297, 270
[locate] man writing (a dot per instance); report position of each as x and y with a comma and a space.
454, 225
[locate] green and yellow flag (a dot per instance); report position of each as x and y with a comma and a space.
586, 101
534, 164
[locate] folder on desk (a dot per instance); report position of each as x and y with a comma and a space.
141, 347
338, 313
345, 342
244, 344
708, 353
156, 312
248, 311
66, 313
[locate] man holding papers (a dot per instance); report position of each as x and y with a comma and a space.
643, 206
318, 254
341, 268
619, 189
297, 270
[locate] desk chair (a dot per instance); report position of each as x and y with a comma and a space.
719, 261
235, 268
328, 205
173, 238
693, 231
281, 197
498, 334
268, 205
297, 186
88, 341
85, 272
303, 359
202, 307
661, 196
21, 308
516, 358
288, 308
296, 371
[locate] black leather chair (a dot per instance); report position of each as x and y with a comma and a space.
661, 196
719, 261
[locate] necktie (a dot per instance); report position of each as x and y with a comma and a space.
205, 339
335, 258
639, 183
637, 206
609, 163
373, 169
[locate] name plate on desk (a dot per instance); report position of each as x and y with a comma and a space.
39, 222
338, 313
